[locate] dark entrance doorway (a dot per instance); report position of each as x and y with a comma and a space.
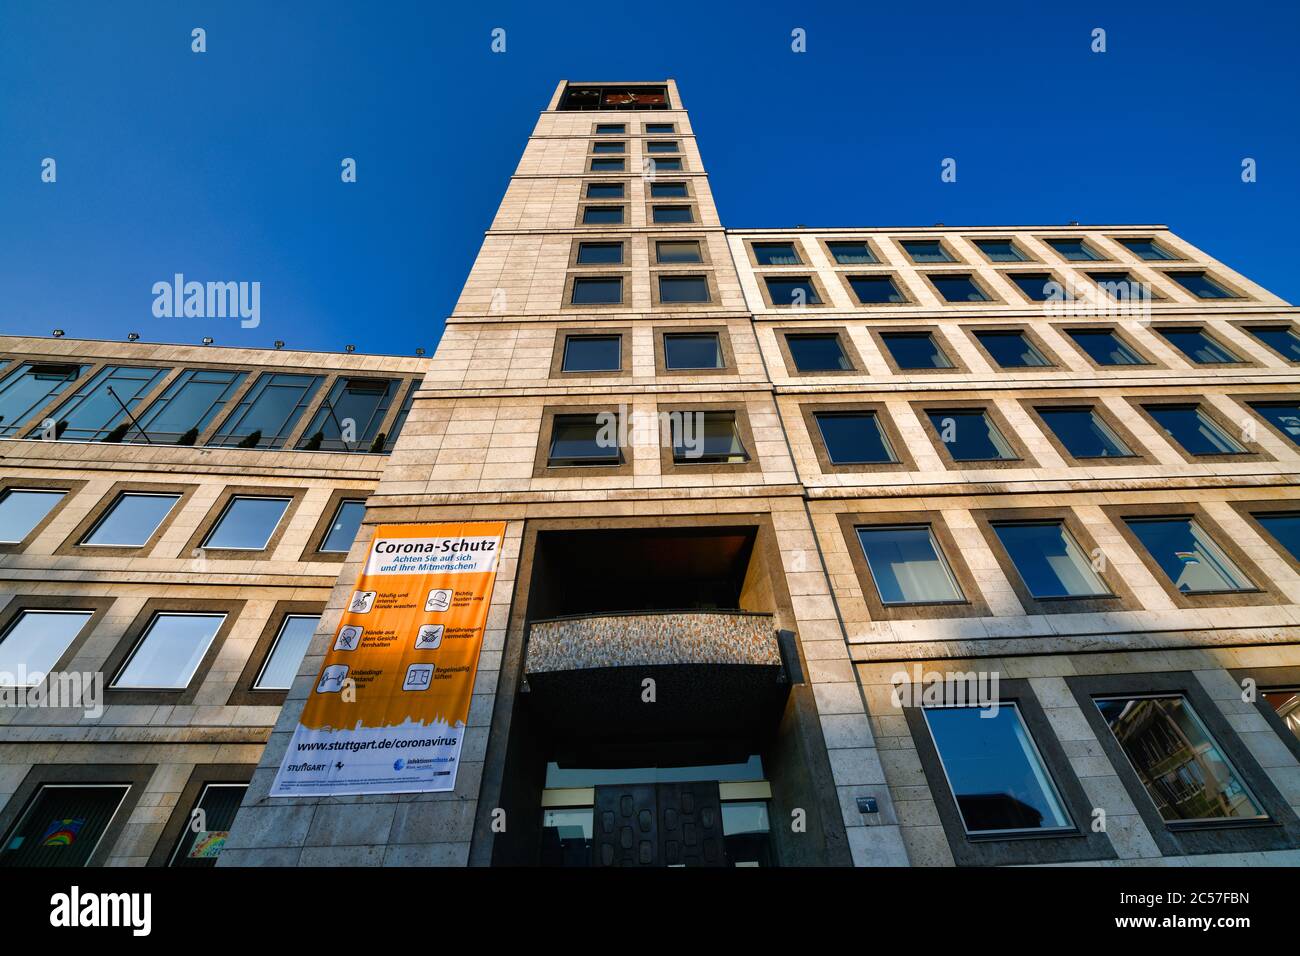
658, 824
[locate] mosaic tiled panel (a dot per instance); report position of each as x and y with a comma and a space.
646, 639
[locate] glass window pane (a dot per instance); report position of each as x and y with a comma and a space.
851, 253
1000, 250
1199, 346
391, 438
686, 350
29, 388
1280, 339
915, 350
1190, 427
22, 509
1284, 416
875, 290
34, 642
1186, 774
927, 250
269, 410
1147, 249
1075, 250
854, 438
170, 651
660, 128
683, 289
668, 191
775, 254
1049, 560
131, 520
602, 215
1038, 286
281, 665
600, 253
673, 214
607, 147
818, 353
187, 406
611, 128
219, 802
1012, 349
958, 288
343, 529
707, 438
247, 523
995, 772
604, 190
1285, 528
971, 436
1287, 704
96, 409
62, 826
607, 165
582, 440
1193, 562
792, 291
566, 836
355, 407
597, 291
907, 566
687, 250
592, 353
662, 164
1084, 433
656, 146
1105, 347
1201, 285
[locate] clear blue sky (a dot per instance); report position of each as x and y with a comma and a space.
225, 165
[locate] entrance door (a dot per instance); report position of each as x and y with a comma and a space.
658, 824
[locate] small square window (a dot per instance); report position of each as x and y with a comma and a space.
583, 441
170, 651
35, 641
1084, 433
672, 214
876, 290
818, 352
958, 288
130, 521
671, 251
1280, 338
795, 290
597, 291
683, 289
1105, 347
1188, 556
344, 526
660, 128
592, 353
22, 509
1001, 250
668, 191
1147, 249
922, 251
692, 350
1074, 250
291, 643
1284, 416
662, 146
1038, 286
776, 254
851, 253
62, 826
608, 128
707, 438
600, 253
246, 524
1194, 430
611, 146
605, 191
1199, 346
915, 350
1201, 285
1012, 349
854, 438
907, 566
971, 436
1048, 559
607, 165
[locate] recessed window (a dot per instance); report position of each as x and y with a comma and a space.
854, 438
610, 128
691, 350
795, 290
1122, 287
608, 147
1286, 703
265, 417
775, 254
246, 523
1012, 349
995, 773
1194, 430
660, 128
362, 401
605, 190
597, 291
101, 408
1001, 250
29, 387
186, 406
170, 651
1284, 526
1284, 416
1147, 249
1038, 286
1075, 250
607, 165
1105, 347
709, 438
668, 191
217, 804
344, 526
62, 826
583, 440
915, 350
820, 352
1084, 433
600, 253
875, 290
907, 565
664, 164
1199, 346
683, 289
970, 435
1188, 556
1201, 285
286, 654
1280, 338
922, 251
602, 215
34, 642
1184, 770
958, 288
672, 214
592, 353
131, 520
672, 252
851, 253
22, 509
662, 146
1048, 559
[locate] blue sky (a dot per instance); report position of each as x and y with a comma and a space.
225, 165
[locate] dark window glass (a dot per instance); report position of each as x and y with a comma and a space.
267, 413
994, 771
187, 406
796, 291
683, 289
1191, 559
34, 642
566, 836
669, 252
170, 652
1190, 427
343, 529
607, 165
1199, 346
604, 190
747, 833
668, 191
1122, 286
661, 147
208, 825
95, 409
609, 147
27, 389
1001, 250
851, 253
673, 214
926, 250
971, 436
591, 291
907, 566
684, 350
1201, 285
958, 288
1147, 249
583, 440
131, 520
1284, 416
915, 350
247, 523
853, 438
707, 438
665, 164
1076, 250
1280, 339
660, 128
1084, 433
604, 128
1049, 560
402, 413
1284, 526
281, 665
592, 353
62, 826
600, 253
875, 290
818, 353
1012, 349
1185, 772
350, 416
1105, 347
1038, 286
602, 215
22, 509
775, 254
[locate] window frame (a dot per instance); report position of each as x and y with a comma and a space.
795, 245
809, 276
1232, 292
245, 692
1022, 459
139, 628
333, 505
1027, 255
809, 410
990, 297
1149, 362
583, 205
710, 301
828, 243
1248, 328
725, 354
572, 280
201, 777
1248, 401
210, 520
1053, 360
75, 542
669, 465
848, 274
1204, 329
19, 604
944, 245
1250, 511
541, 459
1143, 405
880, 334
1139, 453
16, 483
841, 333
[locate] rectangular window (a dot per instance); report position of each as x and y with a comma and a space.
851, 253
34, 642
268, 412
672, 214
1201, 285
995, 772
607, 165
671, 252
1001, 250
97, 409
1075, 250
1190, 558
1184, 770
1012, 349
908, 566
912, 350
131, 520
971, 435
605, 191
219, 802
187, 406
1122, 287
246, 523
62, 826
593, 353
170, 651
281, 665
922, 251
958, 288
582, 440
344, 526
1147, 249
875, 290
668, 191
1199, 346
818, 353
1284, 526
661, 164
1048, 559
775, 254
662, 146
610, 128
355, 408
597, 291
1195, 431
22, 509
29, 387
660, 128
1038, 286
854, 438
795, 290
1284, 416
673, 288
707, 438
1084, 433
602, 215
608, 147
1105, 347
600, 253
1281, 339
691, 350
